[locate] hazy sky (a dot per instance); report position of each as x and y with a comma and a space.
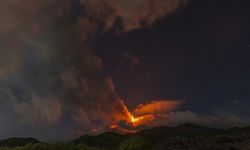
67, 65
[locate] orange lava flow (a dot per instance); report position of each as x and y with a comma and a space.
145, 114
140, 120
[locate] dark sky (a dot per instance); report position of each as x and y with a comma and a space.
200, 55
66, 66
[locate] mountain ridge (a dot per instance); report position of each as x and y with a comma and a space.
159, 134
154, 136
15, 141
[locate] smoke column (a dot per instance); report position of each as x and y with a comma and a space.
50, 78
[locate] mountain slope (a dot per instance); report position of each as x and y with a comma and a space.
107, 140
14, 142
158, 134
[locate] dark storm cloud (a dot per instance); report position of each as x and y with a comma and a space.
48, 68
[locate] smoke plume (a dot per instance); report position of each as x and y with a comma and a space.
48, 65
133, 14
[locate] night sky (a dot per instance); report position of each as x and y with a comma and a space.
200, 55
67, 66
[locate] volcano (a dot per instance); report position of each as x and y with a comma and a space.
145, 115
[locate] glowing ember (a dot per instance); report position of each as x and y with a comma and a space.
144, 114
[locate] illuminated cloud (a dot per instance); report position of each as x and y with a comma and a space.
158, 107
134, 14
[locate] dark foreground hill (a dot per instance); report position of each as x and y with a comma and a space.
108, 140
187, 136
14, 142
154, 135
184, 137
158, 134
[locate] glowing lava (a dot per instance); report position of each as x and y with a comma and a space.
144, 114
134, 120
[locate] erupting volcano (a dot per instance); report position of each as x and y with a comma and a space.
144, 115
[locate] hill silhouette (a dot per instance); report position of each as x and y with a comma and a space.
157, 135
14, 142
158, 138
108, 140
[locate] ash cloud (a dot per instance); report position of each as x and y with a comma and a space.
134, 14
36, 111
50, 71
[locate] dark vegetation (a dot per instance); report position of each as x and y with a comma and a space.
188, 136
14, 142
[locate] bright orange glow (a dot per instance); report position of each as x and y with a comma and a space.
114, 126
156, 107
144, 114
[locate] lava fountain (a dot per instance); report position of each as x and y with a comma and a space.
144, 115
